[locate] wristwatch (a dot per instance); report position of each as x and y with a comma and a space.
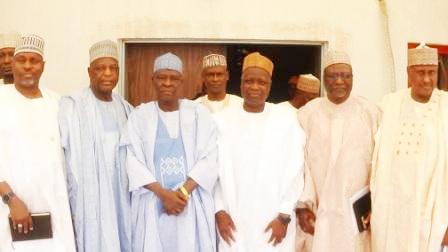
283, 219
6, 198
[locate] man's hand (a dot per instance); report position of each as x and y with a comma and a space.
21, 218
306, 220
173, 202
226, 227
445, 239
278, 231
366, 221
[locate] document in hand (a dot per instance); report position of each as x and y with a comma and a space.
41, 228
361, 206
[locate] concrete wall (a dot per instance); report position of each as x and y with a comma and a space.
360, 27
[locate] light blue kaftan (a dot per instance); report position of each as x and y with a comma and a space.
96, 177
149, 155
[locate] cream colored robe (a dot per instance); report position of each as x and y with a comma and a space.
338, 155
217, 106
410, 177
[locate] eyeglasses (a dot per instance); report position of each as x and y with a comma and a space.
335, 76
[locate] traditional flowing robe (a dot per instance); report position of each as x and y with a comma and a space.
410, 173
260, 176
31, 162
340, 142
195, 226
96, 175
217, 106
288, 105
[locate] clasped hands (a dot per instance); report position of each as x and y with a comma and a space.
173, 202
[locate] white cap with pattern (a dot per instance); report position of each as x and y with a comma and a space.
103, 49
423, 55
336, 57
9, 40
213, 60
30, 43
168, 61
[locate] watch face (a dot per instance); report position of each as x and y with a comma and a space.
5, 198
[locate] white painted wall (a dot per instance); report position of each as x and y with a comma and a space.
358, 26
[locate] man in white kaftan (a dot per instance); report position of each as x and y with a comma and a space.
340, 130
215, 76
31, 159
261, 168
410, 165
90, 123
172, 168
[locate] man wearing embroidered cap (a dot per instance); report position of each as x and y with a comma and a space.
8, 43
261, 167
172, 168
90, 124
340, 129
215, 76
304, 88
31, 164
410, 166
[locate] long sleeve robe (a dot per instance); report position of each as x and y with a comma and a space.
96, 176
410, 173
31, 162
199, 135
260, 176
340, 141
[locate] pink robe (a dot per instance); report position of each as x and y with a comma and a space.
338, 152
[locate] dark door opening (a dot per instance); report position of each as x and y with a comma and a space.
288, 60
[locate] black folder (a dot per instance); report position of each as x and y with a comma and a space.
362, 208
41, 228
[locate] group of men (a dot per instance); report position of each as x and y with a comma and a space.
222, 173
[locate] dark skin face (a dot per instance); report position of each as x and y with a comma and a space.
422, 79
255, 88
103, 74
27, 68
6, 56
338, 82
167, 83
215, 79
302, 97
292, 83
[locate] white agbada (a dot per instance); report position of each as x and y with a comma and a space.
261, 174
31, 162
410, 173
288, 105
338, 154
217, 106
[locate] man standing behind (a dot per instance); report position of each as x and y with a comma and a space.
172, 168
215, 76
31, 165
340, 131
302, 90
261, 176
90, 123
410, 167
8, 43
